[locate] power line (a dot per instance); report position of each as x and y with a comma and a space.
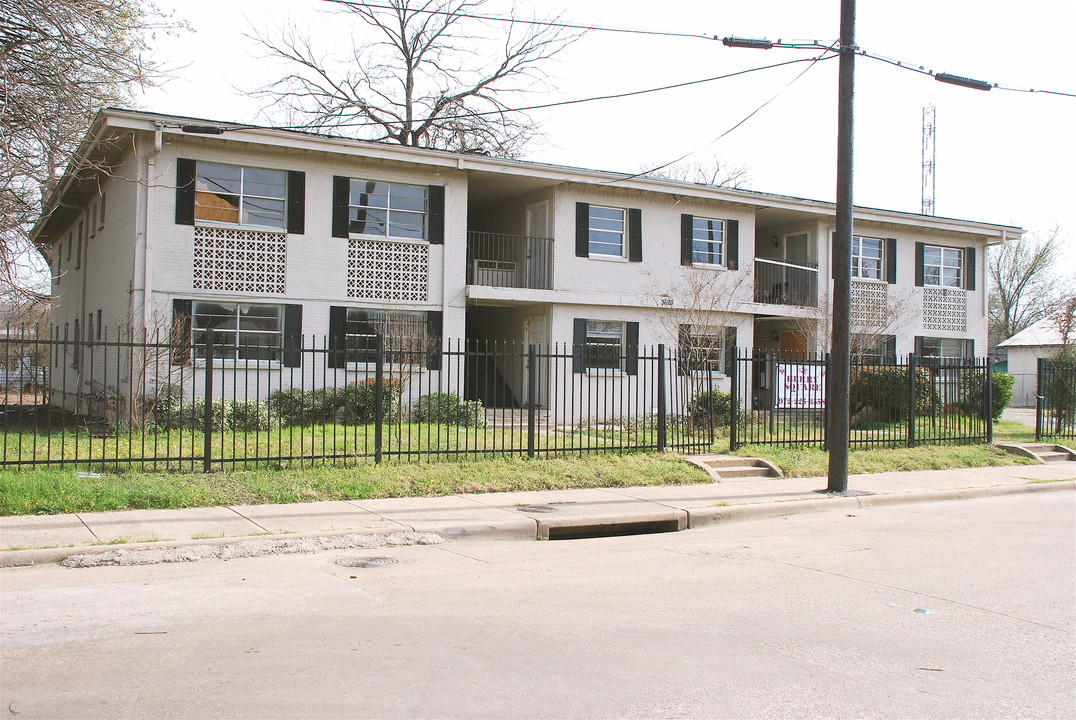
594, 98
541, 23
729, 41
814, 61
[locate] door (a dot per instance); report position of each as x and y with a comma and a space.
536, 247
536, 333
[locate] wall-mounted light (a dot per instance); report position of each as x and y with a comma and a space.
775, 241
776, 336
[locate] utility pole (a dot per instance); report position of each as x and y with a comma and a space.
837, 383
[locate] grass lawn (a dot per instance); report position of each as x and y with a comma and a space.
65, 490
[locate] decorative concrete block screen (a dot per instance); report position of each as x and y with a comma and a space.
945, 309
870, 305
250, 261
381, 270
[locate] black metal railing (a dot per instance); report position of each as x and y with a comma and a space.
784, 283
513, 261
1055, 405
780, 399
150, 403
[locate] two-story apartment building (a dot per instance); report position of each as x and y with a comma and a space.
277, 239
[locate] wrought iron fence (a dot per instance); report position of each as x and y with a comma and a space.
1055, 405
154, 404
780, 399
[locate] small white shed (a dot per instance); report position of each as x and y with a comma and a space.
1042, 339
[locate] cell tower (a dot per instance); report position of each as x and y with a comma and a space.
928, 160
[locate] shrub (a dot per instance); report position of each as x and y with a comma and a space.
356, 402
294, 406
974, 390
448, 409
248, 415
880, 393
710, 408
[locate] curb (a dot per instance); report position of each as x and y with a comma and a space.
695, 518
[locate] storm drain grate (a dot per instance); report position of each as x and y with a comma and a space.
580, 532
367, 562
536, 508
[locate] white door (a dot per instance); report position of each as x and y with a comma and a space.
536, 332
536, 250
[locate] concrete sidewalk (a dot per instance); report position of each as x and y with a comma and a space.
524, 515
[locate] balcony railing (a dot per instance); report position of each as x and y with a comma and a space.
513, 261
785, 283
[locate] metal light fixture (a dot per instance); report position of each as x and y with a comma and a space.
775, 241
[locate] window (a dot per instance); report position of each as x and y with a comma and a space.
240, 195
943, 267
874, 348
403, 331
387, 209
93, 222
604, 345
867, 254
98, 323
708, 241
78, 253
702, 348
946, 347
606, 231
101, 217
241, 331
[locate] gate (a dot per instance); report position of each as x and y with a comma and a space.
1055, 404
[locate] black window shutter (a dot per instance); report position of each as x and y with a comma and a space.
891, 349
631, 348
919, 265
969, 348
891, 260
185, 174
687, 240
582, 232
341, 200
337, 336
296, 202
732, 244
293, 336
969, 268
434, 326
730, 349
579, 341
635, 235
436, 219
919, 345
181, 332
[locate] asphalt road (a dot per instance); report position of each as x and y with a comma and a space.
963, 609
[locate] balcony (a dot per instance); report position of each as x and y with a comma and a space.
784, 283
511, 261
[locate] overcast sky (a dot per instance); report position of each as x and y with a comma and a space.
1003, 157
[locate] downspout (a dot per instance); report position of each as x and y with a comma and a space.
139, 312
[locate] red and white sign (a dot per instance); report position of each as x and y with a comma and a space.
801, 386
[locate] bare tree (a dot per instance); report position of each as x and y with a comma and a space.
1023, 282
432, 79
60, 60
712, 171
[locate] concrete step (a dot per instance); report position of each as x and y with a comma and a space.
722, 467
1053, 456
744, 472
1045, 452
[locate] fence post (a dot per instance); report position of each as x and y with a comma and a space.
379, 396
912, 366
207, 414
825, 409
989, 400
532, 390
1039, 405
734, 398
662, 411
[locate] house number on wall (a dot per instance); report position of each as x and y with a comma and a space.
666, 302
